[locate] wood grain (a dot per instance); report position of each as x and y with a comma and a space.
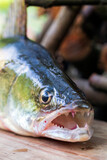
14, 147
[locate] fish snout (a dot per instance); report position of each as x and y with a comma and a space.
80, 105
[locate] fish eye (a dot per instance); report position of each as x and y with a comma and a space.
45, 96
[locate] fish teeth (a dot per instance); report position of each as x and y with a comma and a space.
73, 114
66, 114
58, 126
77, 125
88, 114
86, 125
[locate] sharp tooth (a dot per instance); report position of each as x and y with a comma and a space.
77, 126
88, 113
73, 114
86, 125
58, 126
66, 114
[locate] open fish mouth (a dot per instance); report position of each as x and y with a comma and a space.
70, 123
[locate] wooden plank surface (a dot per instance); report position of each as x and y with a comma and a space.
14, 147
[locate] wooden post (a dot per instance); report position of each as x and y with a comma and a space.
94, 96
16, 20
59, 28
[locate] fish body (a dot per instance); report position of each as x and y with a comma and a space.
36, 98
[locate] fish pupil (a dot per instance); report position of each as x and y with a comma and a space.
45, 98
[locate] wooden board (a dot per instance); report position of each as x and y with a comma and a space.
14, 147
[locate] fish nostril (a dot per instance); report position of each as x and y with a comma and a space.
82, 104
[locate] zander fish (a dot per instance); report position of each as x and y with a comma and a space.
36, 98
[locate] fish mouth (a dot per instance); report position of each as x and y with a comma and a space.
71, 123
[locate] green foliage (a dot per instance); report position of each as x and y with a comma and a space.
4, 4
34, 22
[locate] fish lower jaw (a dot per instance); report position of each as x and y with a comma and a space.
64, 134
70, 126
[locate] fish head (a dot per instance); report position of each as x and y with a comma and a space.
55, 109
64, 113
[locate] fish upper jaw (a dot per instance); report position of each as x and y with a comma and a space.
70, 123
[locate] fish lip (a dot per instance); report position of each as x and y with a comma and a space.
44, 124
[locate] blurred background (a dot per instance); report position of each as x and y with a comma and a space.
76, 37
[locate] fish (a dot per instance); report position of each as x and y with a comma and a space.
37, 98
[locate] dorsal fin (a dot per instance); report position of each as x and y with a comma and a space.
16, 20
